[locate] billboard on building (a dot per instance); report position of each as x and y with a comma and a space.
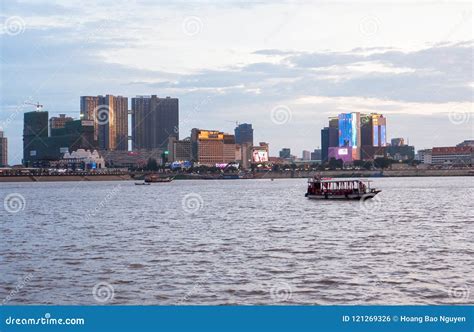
259, 156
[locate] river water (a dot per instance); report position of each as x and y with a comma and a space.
236, 242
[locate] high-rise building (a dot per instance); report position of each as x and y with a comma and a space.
35, 135
211, 147
316, 154
59, 121
329, 139
349, 134
244, 133
39, 149
110, 116
154, 121
285, 153
3, 150
373, 136
179, 150
306, 155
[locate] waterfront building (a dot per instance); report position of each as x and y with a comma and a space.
154, 121
179, 150
285, 153
211, 147
306, 155
131, 159
453, 156
229, 148
35, 135
373, 136
244, 134
110, 116
424, 156
59, 121
400, 152
82, 159
39, 149
246, 155
349, 134
316, 155
329, 138
399, 141
3, 150
469, 142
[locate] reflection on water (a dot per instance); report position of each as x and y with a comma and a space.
236, 242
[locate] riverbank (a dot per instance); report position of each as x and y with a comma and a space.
257, 175
60, 178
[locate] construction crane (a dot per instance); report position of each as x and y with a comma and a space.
39, 107
236, 122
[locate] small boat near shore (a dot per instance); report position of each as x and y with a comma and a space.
142, 183
320, 188
157, 179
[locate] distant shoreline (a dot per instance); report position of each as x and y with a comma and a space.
257, 175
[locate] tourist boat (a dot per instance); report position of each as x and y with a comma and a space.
142, 183
157, 179
321, 188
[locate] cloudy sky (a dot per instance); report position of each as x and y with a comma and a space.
282, 66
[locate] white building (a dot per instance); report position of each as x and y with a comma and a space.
424, 156
86, 157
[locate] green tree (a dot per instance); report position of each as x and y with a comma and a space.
152, 165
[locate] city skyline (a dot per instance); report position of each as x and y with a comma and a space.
286, 76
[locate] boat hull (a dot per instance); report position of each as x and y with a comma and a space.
344, 197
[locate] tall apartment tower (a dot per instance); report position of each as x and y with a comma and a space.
3, 150
154, 121
110, 116
35, 135
244, 133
